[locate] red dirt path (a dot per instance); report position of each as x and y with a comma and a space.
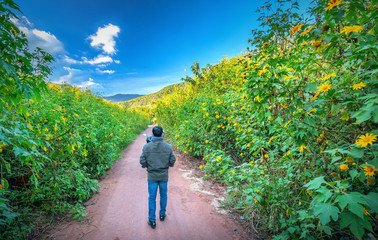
119, 211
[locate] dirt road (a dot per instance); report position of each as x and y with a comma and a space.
119, 211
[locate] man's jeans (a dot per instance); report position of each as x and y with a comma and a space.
152, 192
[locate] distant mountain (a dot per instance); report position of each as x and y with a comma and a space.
151, 99
122, 97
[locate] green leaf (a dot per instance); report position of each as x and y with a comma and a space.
375, 114
357, 153
315, 183
372, 201
311, 87
357, 230
325, 211
324, 194
361, 116
353, 201
353, 173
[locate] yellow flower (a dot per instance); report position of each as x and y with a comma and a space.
316, 43
359, 86
365, 140
218, 158
296, 28
271, 139
207, 141
258, 98
248, 145
200, 167
27, 114
303, 147
311, 111
307, 31
329, 76
76, 114
266, 156
366, 212
261, 72
207, 114
325, 87
370, 181
343, 167
332, 4
241, 154
333, 173
349, 159
369, 171
217, 116
349, 29
255, 200
287, 123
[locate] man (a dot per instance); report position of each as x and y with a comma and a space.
157, 156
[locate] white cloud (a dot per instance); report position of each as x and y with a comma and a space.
68, 77
105, 71
38, 38
117, 61
98, 60
88, 84
27, 22
78, 78
69, 60
104, 38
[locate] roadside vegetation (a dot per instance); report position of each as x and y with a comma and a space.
291, 126
149, 101
55, 140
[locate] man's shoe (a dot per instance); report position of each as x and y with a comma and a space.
152, 224
162, 217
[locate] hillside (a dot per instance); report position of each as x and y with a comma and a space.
151, 99
121, 97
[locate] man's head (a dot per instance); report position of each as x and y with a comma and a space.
157, 131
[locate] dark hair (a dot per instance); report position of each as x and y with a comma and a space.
157, 131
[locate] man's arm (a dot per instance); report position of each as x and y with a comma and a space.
143, 159
172, 159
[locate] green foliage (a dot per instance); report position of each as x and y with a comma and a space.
291, 126
150, 100
55, 141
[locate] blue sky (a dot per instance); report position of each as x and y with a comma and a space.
138, 46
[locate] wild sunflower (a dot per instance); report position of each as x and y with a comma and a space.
296, 28
365, 140
333, 3
369, 171
359, 86
325, 87
343, 167
349, 29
